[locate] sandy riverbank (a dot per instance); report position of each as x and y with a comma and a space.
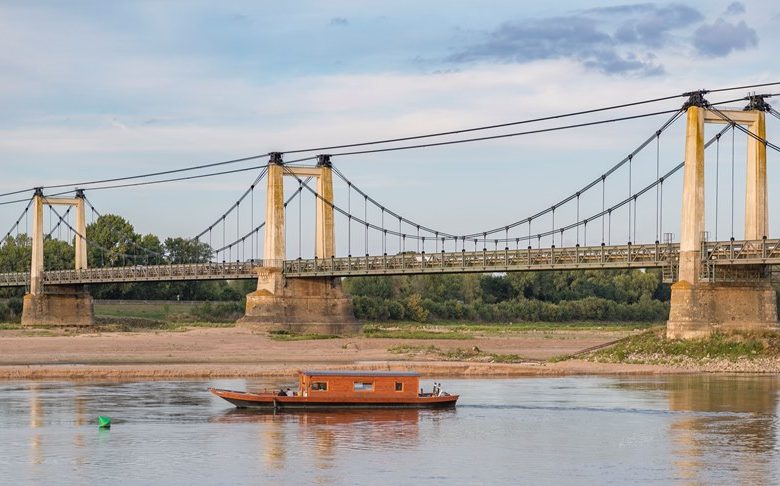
239, 352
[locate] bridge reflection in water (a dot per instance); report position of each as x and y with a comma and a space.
746, 420
718, 418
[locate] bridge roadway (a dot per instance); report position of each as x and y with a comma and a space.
664, 256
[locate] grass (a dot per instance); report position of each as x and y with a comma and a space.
414, 349
552, 326
411, 331
115, 324
283, 335
652, 347
146, 310
459, 330
167, 311
456, 354
119, 324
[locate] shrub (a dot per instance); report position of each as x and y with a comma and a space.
15, 304
218, 312
415, 309
5, 313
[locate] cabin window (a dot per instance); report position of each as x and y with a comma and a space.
399, 386
319, 386
363, 386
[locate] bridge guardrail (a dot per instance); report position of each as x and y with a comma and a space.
140, 273
665, 256
623, 256
14, 279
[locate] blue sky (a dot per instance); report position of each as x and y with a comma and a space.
104, 89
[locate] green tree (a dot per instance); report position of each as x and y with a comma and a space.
58, 255
495, 288
112, 238
180, 250
16, 254
381, 287
151, 249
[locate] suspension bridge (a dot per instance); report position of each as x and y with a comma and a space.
717, 283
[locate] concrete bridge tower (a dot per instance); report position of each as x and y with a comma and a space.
315, 304
740, 297
60, 305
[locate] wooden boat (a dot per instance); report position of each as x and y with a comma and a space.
345, 390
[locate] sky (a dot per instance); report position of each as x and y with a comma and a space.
95, 90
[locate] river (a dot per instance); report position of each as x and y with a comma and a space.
700, 429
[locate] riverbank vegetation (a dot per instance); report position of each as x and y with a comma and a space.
561, 296
456, 354
652, 347
463, 330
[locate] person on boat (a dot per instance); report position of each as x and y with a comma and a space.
290, 393
281, 393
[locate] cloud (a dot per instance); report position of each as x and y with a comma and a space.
614, 40
720, 38
647, 24
735, 8
339, 21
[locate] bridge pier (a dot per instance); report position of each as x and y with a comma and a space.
314, 305
701, 302
301, 305
61, 305
699, 310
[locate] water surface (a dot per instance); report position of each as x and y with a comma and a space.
574, 430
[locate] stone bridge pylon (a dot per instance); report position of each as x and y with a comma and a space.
706, 300
60, 305
315, 304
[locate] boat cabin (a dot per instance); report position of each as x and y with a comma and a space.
354, 384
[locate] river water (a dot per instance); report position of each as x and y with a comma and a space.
574, 430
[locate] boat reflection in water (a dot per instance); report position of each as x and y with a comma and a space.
327, 431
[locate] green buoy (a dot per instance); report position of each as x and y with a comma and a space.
104, 422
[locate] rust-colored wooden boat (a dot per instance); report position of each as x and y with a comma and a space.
345, 390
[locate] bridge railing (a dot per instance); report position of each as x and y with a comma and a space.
734, 254
621, 256
742, 251
194, 271
14, 279
739, 260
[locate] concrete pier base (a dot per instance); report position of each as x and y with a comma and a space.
698, 310
301, 305
60, 306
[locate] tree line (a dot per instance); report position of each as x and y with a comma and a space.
612, 295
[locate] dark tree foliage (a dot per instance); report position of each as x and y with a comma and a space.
179, 250
623, 295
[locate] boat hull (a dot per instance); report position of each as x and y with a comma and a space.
271, 402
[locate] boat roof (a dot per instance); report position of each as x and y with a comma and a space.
358, 373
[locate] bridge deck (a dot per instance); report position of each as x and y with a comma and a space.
728, 253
